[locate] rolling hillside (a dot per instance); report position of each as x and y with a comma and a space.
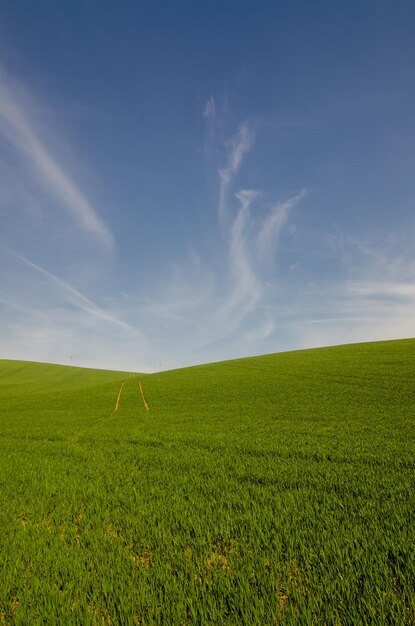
274, 489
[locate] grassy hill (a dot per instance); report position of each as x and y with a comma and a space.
276, 489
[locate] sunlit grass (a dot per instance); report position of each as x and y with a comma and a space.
277, 489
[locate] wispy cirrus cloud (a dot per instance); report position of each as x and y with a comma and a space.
252, 239
73, 296
226, 302
238, 146
235, 303
246, 289
210, 108
383, 290
264, 330
46, 318
17, 129
373, 301
210, 148
272, 225
55, 334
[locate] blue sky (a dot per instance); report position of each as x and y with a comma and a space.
188, 182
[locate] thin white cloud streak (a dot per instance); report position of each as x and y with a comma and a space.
222, 312
16, 127
194, 301
210, 108
73, 296
377, 323
209, 113
56, 334
45, 318
381, 290
239, 145
249, 240
265, 330
247, 288
374, 302
273, 224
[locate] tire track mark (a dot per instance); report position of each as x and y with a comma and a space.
119, 397
146, 404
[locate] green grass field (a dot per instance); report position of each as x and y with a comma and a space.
277, 489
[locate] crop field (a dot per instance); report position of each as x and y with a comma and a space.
271, 490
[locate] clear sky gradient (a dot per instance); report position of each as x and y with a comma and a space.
185, 182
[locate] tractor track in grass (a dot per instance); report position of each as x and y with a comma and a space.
119, 397
146, 404
117, 403
74, 439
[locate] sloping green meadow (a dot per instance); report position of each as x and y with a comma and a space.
277, 489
